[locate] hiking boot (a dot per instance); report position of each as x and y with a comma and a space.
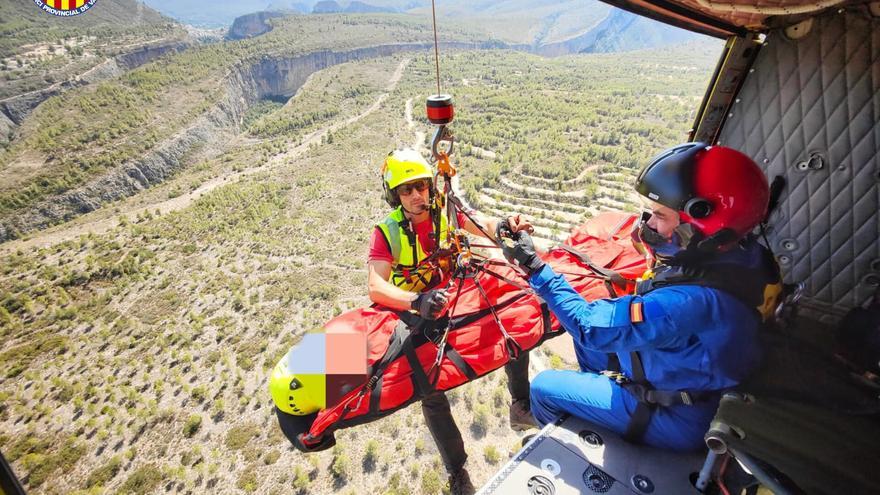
521, 418
460, 483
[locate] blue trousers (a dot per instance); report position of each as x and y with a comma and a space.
595, 398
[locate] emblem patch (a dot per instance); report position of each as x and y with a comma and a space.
65, 8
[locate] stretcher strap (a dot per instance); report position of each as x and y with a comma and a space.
545, 319
464, 320
419, 377
611, 277
460, 363
502, 278
378, 370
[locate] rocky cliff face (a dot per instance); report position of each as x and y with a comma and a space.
251, 25
270, 77
16, 108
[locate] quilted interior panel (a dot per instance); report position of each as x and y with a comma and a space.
810, 111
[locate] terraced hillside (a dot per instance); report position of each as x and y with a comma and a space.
139, 337
562, 139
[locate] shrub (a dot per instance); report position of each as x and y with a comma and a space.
271, 457
193, 423
481, 418
105, 473
240, 435
431, 483
143, 480
248, 481
491, 454
41, 467
300, 479
371, 455
199, 393
341, 464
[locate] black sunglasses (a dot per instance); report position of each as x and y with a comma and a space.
406, 189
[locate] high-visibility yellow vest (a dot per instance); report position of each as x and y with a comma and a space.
407, 251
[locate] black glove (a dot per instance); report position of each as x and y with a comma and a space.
502, 230
430, 304
522, 250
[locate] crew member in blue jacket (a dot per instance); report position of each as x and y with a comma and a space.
654, 365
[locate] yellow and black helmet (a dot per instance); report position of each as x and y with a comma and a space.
401, 166
297, 393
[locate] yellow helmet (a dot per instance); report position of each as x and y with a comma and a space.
403, 166
298, 394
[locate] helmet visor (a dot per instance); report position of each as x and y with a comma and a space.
669, 178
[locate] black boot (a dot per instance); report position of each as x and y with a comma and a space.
460, 483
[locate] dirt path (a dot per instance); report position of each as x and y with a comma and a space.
419, 142
63, 233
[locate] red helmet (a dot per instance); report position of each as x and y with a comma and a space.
719, 191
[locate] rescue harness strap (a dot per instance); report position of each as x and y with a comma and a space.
647, 396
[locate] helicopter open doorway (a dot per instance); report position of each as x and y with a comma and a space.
797, 88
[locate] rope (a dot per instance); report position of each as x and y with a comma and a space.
436, 49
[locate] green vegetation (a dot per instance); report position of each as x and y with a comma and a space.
309, 108
16, 359
552, 118
301, 479
248, 481
38, 50
105, 473
240, 435
431, 484
271, 457
41, 467
371, 454
143, 480
491, 454
482, 418
341, 465
193, 423
119, 120
23, 24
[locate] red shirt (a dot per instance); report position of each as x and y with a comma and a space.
381, 251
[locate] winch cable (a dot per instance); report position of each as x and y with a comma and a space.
436, 45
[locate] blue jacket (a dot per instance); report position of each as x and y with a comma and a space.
690, 337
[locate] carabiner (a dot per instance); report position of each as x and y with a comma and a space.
442, 134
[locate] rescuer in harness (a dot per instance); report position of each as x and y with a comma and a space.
655, 364
398, 244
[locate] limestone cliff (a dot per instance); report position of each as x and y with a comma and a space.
251, 25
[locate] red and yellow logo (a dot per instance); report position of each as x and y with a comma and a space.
65, 8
